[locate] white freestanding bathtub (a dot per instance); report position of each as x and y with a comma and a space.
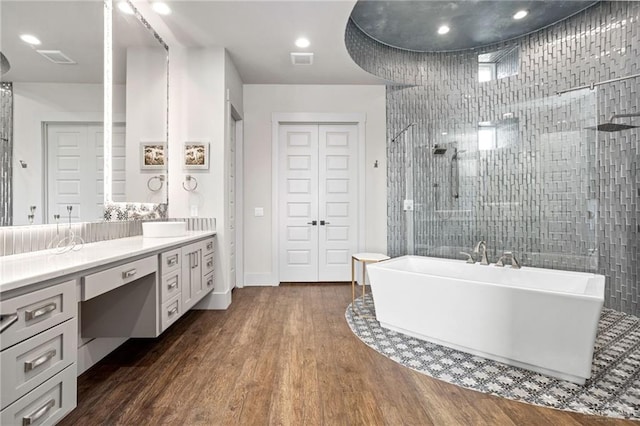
539, 319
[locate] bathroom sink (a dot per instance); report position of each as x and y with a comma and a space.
164, 229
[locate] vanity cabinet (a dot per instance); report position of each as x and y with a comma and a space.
121, 291
38, 357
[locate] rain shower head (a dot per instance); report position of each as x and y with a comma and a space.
615, 127
439, 150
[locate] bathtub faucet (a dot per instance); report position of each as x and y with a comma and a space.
506, 255
482, 245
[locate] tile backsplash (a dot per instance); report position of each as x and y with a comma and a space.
24, 239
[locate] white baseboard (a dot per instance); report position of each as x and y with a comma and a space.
215, 301
258, 280
93, 351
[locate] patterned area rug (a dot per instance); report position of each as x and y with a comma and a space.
613, 390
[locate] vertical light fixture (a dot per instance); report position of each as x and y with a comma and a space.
108, 107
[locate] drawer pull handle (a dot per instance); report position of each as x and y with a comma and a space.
210, 245
173, 285
173, 311
173, 260
210, 282
31, 365
36, 415
129, 273
43, 310
7, 321
210, 264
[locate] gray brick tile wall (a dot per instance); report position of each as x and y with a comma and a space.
558, 194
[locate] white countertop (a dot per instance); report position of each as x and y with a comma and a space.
29, 268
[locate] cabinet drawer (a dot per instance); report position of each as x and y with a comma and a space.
207, 264
26, 365
101, 282
170, 261
27, 315
170, 285
45, 405
171, 311
209, 282
207, 246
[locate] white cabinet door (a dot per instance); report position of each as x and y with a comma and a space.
191, 275
318, 202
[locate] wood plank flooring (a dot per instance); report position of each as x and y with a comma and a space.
281, 356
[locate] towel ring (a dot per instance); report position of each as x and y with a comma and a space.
189, 178
160, 179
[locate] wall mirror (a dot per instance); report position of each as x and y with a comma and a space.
139, 108
52, 110
53, 98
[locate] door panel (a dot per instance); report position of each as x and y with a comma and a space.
298, 202
338, 201
232, 205
75, 167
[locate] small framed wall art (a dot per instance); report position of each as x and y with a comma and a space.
153, 155
196, 156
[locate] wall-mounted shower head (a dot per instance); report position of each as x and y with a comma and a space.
4, 64
439, 150
402, 131
615, 127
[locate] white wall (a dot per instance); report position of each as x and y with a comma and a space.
35, 103
199, 81
260, 101
146, 117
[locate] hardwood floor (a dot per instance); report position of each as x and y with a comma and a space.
281, 356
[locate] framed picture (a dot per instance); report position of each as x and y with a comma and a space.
152, 155
196, 155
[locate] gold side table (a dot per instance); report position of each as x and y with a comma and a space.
363, 258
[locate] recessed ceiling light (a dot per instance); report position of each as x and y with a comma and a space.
520, 14
302, 42
31, 39
125, 7
161, 8
443, 29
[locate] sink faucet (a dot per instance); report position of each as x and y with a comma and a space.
482, 245
507, 254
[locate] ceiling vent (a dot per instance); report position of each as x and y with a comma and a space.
56, 56
298, 58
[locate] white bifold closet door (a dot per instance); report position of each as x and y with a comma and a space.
318, 201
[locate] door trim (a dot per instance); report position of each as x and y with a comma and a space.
278, 119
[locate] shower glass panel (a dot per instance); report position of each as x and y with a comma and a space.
520, 176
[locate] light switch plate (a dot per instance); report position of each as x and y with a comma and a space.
258, 212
